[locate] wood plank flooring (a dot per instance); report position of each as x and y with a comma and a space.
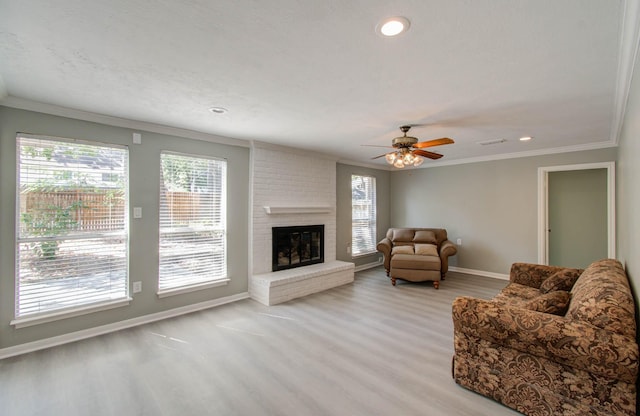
361, 349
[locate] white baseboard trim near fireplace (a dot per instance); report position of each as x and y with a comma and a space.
284, 285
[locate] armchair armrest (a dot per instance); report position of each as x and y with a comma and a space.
384, 246
569, 342
530, 274
447, 248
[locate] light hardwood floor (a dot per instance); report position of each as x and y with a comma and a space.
366, 348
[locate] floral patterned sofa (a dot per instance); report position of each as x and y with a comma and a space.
553, 341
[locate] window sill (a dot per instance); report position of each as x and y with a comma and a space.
358, 256
69, 313
191, 288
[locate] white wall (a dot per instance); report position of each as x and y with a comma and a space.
286, 177
628, 186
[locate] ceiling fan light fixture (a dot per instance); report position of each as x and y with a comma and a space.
391, 157
418, 161
398, 163
408, 158
393, 26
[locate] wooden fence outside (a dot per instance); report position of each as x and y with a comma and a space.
104, 211
91, 211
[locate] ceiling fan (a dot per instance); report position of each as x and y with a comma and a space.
409, 150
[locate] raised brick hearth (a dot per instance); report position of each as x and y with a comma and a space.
291, 188
277, 287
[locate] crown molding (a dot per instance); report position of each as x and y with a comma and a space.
256, 144
386, 167
24, 104
629, 37
516, 155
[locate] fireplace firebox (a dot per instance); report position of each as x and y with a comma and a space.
297, 246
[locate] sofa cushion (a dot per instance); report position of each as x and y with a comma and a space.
401, 250
402, 234
426, 249
602, 297
515, 294
424, 236
555, 302
410, 261
560, 280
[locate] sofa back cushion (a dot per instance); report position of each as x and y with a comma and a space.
406, 235
560, 280
402, 235
602, 297
425, 237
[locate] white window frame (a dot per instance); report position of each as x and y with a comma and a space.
358, 206
107, 299
164, 230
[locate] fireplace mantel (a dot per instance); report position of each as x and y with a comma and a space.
275, 210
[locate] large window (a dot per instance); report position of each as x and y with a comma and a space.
363, 215
71, 224
193, 238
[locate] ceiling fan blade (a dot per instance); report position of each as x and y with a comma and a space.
431, 143
424, 153
377, 157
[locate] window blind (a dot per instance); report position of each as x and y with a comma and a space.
71, 224
192, 221
363, 215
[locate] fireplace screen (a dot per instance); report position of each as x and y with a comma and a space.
297, 246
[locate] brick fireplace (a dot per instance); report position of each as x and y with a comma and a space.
292, 189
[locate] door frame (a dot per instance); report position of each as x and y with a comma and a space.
543, 205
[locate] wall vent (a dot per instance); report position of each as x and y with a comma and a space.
488, 142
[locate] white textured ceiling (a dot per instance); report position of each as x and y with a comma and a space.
314, 74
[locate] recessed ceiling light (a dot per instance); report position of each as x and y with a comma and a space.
526, 138
393, 26
218, 110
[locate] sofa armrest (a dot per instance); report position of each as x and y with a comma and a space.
530, 274
384, 246
569, 342
447, 249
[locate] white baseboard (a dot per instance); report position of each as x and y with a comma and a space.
479, 273
116, 326
367, 266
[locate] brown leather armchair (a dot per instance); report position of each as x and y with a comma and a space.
417, 254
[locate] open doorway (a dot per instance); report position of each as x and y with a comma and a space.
558, 242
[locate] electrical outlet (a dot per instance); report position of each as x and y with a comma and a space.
379, 259
137, 287
459, 241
